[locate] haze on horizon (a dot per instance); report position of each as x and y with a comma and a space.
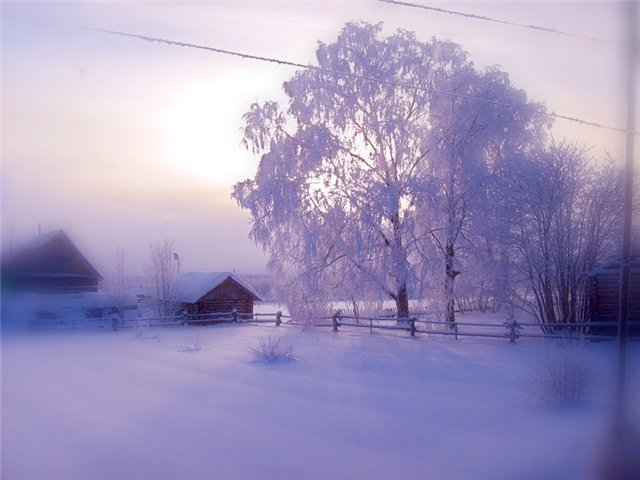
121, 142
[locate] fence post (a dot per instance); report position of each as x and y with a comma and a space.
570, 333
234, 315
513, 328
278, 318
412, 326
334, 321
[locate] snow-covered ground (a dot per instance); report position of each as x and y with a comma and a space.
85, 405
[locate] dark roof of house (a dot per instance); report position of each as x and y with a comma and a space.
27, 250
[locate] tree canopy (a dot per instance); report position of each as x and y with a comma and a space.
366, 166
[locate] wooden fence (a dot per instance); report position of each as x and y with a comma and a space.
419, 324
511, 330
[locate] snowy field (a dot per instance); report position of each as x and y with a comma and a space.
85, 405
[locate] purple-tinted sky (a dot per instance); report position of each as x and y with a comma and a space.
122, 142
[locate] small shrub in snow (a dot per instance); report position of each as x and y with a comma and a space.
146, 336
269, 349
561, 377
194, 346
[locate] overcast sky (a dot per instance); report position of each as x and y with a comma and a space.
122, 142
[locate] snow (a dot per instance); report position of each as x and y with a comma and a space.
30, 311
116, 405
192, 286
82, 300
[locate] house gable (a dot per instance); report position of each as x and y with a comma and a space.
50, 264
216, 292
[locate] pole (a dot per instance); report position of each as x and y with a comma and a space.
623, 317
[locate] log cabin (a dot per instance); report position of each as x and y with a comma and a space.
207, 293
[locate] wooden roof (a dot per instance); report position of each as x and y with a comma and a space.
194, 285
26, 257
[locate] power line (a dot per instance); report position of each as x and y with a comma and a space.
248, 56
496, 20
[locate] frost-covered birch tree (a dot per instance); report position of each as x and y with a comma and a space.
350, 163
471, 132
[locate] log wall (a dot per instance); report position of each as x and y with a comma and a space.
604, 298
224, 298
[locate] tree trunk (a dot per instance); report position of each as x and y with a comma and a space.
449, 311
451, 274
399, 257
402, 302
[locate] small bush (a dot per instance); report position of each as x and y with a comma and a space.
195, 346
561, 377
147, 337
269, 350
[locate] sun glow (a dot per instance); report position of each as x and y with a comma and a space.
199, 128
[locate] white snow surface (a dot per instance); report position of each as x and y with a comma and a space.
80, 301
103, 405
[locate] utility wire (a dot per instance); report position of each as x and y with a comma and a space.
496, 20
356, 76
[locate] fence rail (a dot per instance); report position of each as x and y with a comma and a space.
418, 324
